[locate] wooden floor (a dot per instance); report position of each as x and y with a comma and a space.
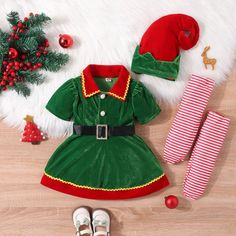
29, 209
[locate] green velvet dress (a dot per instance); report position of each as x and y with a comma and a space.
119, 167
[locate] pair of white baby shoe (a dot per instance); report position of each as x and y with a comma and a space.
96, 224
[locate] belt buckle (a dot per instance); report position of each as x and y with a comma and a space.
99, 132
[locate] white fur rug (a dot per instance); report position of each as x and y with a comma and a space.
107, 32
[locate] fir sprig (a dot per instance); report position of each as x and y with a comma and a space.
37, 20
21, 88
3, 45
54, 61
28, 42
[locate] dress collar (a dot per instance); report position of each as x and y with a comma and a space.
119, 90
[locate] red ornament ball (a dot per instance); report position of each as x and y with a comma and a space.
12, 53
65, 40
171, 201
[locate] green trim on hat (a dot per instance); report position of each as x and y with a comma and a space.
147, 64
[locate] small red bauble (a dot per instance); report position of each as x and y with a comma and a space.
65, 40
12, 53
171, 201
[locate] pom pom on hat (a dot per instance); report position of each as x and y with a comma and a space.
158, 52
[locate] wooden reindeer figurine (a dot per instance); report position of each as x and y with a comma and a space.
206, 60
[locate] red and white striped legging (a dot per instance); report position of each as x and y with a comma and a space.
204, 155
188, 118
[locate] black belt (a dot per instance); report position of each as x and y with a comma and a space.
104, 131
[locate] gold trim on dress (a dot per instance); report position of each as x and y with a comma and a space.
104, 189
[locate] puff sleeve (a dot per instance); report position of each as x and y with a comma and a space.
61, 102
144, 105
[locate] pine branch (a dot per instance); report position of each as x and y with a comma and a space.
27, 43
37, 33
13, 17
21, 88
3, 45
30, 41
37, 20
53, 61
32, 77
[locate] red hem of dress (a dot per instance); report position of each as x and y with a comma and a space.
103, 194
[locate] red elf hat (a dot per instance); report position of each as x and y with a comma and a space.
158, 52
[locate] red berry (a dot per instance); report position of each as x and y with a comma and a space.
16, 37
9, 39
4, 88
23, 57
11, 83
4, 73
39, 65
17, 67
26, 19
14, 79
13, 73
3, 83
19, 24
38, 54
11, 64
16, 63
4, 62
25, 68
21, 64
14, 27
31, 14
13, 34
28, 64
45, 52
171, 201
35, 67
21, 30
